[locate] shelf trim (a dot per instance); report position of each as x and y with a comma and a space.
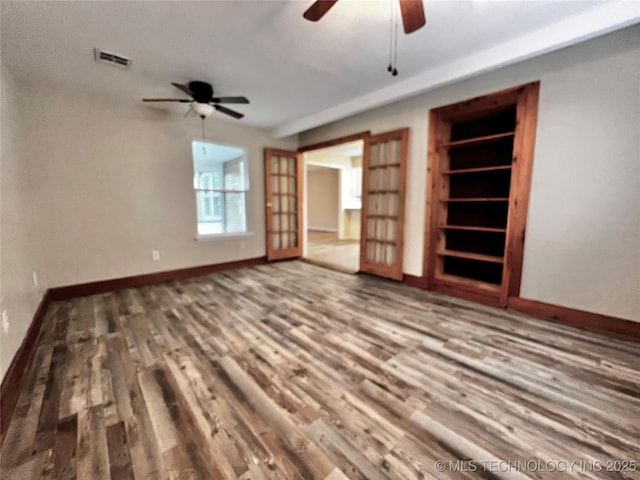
476, 199
465, 282
478, 140
472, 228
470, 256
477, 170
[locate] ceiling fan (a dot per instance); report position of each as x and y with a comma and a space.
412, 13
202, 101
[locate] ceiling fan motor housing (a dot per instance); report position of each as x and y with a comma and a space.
202, 100
201, 91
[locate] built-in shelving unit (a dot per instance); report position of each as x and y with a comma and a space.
476, 184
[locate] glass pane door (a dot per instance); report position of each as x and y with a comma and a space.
384, 164
283, 204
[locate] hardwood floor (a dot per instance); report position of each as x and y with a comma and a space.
324, 248
292, 371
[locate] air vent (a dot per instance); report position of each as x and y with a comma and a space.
111, 58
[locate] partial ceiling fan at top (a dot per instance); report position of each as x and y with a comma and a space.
413, 19
412, 13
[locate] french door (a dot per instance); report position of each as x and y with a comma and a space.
283, 188
383, 199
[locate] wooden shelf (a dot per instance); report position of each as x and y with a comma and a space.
476, 170
479, 199
478, 140
470, 256
477, 285
472, 228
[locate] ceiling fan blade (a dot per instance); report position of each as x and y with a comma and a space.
228, 111
184, 88
412, 15
181, 100
244, 100
316, 11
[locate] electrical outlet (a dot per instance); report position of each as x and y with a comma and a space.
5, 321
155, 255
35, 279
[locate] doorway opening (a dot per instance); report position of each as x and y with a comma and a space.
332, 206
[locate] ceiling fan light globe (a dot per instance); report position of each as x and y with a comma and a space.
202, 109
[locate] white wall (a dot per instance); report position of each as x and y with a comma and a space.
115, 182
583, 232
20, 249
323, 198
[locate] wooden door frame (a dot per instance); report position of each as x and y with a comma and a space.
395, 273
292, 252
525, 97
334, 142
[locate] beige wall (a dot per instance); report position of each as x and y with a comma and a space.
326, 157
20, 246
322, 157
352, 225
90, 188
323, 197
583, 227
116, 182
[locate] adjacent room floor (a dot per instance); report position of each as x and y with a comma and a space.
293, 371
324, 248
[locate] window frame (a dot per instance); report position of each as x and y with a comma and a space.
217, 193
210, 197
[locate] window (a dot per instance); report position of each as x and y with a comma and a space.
210, 202
221, 184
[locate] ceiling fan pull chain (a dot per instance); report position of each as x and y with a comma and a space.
390, 67
204, 144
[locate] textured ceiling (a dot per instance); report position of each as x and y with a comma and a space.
297, 74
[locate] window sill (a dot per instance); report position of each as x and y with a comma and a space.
212, 237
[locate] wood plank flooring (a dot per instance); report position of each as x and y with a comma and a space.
324, 248
292, 371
